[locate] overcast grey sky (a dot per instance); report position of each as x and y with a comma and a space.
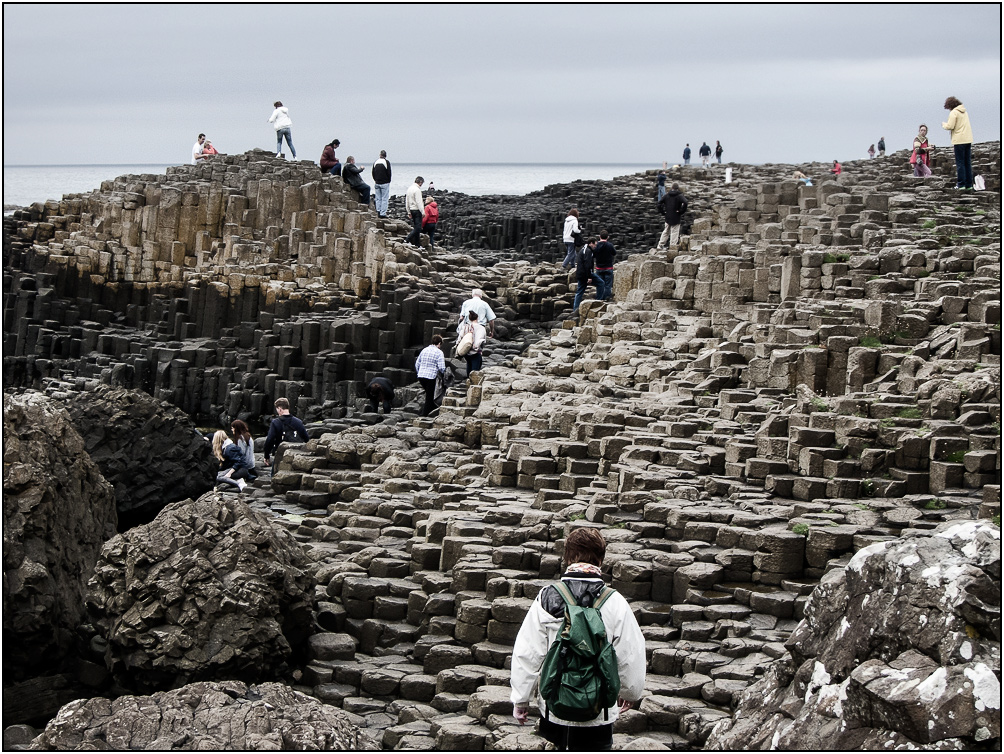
493, 83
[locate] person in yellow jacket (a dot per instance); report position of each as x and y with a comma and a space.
962, 140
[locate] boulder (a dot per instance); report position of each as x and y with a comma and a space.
209, 589
57, 512
903, 644
151, 452
226, 715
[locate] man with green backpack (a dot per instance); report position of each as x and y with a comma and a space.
581, 648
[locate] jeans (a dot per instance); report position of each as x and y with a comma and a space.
429, 384
606, 291
473, 362
289, 140
335, 169
382, 197
431, 230
964, 166
573, 738
364, 192
662, 193
569, 254
686, 160
416, 221
580, 292
719, 159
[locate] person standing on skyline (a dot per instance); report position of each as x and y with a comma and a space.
881, 146
381, 182
718, 151
282, 123
962, 141
197, 152
871, 151
705, 153
415, 208
686, 155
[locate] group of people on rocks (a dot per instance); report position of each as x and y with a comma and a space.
704, 153
592, 259
424, 213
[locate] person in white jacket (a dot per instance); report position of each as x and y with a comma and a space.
571, 226
281, 122
584, 551
415, 207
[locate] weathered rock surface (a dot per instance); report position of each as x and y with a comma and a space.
209, 589
227, 715
57, 513
900, 649
150, 451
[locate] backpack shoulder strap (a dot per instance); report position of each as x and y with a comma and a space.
566, 594
604, 596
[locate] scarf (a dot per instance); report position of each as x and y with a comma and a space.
587, 569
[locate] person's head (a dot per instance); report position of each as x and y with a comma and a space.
334, 143
717, 142
383, 153
951, 103
585, 545
429, 200
872, 146
592, 241
604, 235
218, 440
240, 430
202, 138
437, 341
688, 143
922, 130
835, 162
350, 160
676, 187
573, 213
277, 104
477, 293
281, 406
419, 180
472, 316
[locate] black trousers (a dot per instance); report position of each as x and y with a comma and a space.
429, 383
416, 221
573, 738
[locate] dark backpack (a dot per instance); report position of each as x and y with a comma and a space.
288, 432
579, 677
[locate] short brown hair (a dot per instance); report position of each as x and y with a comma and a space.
585, 545
951, 103
573, 212
437, 339
282, 403
604, 235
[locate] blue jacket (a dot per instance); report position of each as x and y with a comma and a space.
686, 153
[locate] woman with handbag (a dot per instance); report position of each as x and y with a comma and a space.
472, 340
921, 156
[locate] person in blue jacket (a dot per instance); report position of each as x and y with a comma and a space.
686, 155
285, 428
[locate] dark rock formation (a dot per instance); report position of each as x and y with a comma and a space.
209, 589
228, 715
150, 451
900, 649
57, 512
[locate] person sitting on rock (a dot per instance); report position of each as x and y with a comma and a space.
604, 256
245, 444
380, 389
350, 174
476, 303
285, 428
329, 162
583, 578
836, 169
429, 365
233, 467
798, 175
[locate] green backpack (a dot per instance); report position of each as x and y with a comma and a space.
579, 677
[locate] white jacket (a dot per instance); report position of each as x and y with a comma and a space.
540, 628
281, 118
571, 226
413, 199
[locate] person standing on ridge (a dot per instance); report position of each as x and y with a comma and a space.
285, 428
604, 257
871, 151
428, 366
962, 141
430, 218
705, 153
381, 182
673, 207
351, 175
686, 155
568, 233
197, 151
208, 150
881, 146
282, 123
415, 207
921, 156
329, 162
661, 187
476, 303
718, 151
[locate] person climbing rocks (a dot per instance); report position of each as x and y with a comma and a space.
568, 234
428, 366
476, 303
430, 218
604, 256
284, 429
673, 206
660, 186
415, 208
282, 124
379, 390
962, 141
473, 357
329, 161
585, 272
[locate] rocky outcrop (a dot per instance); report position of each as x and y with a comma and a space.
900, 649
57, 512
224, 716
209, 589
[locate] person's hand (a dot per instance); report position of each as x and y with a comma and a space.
521, 712
267, 461
625, 705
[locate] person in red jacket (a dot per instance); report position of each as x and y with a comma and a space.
430, 218
329, 163
836, 168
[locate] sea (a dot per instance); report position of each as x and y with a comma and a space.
25, 184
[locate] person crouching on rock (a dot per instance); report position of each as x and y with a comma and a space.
245, 444
285, 428
473, 357
380, 389
430, 218
233, 467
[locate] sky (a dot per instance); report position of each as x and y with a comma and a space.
574, 83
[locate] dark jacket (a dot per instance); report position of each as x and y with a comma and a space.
584, 263
350, 174
686, 153
674, 205
233, 458
704, 151
661, 179
578, 585
604, 254
718, 150
380, 171
278, 429
380, 388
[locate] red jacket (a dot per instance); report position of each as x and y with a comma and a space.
328, 157
431, 215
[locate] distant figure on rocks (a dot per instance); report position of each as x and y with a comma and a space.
379, 390
604, 257
585, 272
432, 187
718, 151
381, 182
881, 146
414, 206
798, 175
428, 366
473, 357
476, 303
962, 141
921, 155
282, 123
836, 169
568, 234
329, 161
673, 207
661, 185
285, 428
245, 444
705, 153
208, 150
533, 666
430, 218
871, 151
197, 151
686, 155
233, 468
351, 175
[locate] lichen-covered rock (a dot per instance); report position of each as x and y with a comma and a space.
228, 715
900, 649
57, 512
209, 589
150, 451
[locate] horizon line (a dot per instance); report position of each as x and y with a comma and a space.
177, 164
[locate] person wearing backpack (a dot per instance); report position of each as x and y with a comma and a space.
285, 428
585, 272
477, 331
578, 627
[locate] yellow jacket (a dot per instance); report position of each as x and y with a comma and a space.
958, 124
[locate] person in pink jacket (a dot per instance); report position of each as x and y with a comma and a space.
429, 218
